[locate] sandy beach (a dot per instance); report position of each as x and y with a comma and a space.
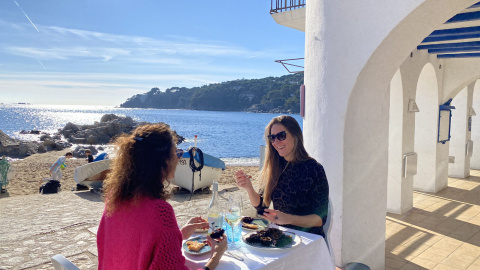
35, 227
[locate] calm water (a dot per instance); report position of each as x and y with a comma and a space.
235, 137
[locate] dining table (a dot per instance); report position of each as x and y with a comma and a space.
309, 252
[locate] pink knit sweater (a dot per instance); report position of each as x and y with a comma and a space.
144, 235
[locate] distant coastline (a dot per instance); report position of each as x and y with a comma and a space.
266, 95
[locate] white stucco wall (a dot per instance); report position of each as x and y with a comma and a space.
351, 101
460, 134
426, 129
291, 18
396, 203
475, 134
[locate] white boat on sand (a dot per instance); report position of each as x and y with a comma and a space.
211, 170
92, 174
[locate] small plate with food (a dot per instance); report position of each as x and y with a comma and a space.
254, 224
196, 245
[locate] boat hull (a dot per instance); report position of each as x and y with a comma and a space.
92, 174
183, 175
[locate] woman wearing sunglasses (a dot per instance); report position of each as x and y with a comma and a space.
294, 182
138, 229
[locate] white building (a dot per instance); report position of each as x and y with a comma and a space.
376, 75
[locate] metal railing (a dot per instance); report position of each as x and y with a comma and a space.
284, 5
287, 65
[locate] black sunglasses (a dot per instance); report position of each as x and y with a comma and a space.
179, 153
282, 135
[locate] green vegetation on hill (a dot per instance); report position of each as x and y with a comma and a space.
271, 94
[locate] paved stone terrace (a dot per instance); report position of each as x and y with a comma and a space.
442, 231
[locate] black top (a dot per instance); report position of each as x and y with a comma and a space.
302, 189
90, 158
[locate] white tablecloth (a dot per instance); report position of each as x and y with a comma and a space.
311, 253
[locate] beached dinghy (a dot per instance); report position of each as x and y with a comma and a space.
92, 174
209, 167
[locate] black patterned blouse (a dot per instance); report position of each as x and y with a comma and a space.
301, 190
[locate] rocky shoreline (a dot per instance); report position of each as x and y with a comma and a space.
95, 135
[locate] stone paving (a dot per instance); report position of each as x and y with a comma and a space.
442, 231
34, 228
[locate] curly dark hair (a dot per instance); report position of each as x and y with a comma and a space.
141, 166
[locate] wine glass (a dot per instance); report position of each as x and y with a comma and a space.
233, 215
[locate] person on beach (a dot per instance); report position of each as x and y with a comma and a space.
294, 182
89, 155
138, 229
59, 165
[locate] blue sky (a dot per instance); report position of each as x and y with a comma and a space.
93, 52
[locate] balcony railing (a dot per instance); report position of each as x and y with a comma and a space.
284, 5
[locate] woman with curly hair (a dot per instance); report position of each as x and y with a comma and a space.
294, 182
138, 229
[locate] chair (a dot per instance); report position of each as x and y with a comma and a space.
4, 173
327, 227
61, 263
356, 266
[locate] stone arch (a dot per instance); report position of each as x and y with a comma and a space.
426, 129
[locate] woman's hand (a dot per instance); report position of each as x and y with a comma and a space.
276, 217
243, 180
192, 225
219, 246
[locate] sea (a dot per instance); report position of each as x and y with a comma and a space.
234, 137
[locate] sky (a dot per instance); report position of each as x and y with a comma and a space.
93, 52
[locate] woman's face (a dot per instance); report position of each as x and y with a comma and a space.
286, 147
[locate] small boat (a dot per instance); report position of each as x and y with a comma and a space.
210, 170
92, 174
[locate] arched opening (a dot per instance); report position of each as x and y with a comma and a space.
426, 130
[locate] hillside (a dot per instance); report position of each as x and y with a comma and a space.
271, 94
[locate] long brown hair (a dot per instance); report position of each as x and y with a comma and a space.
141, 166
272, 168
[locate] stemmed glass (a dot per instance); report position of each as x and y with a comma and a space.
233, 215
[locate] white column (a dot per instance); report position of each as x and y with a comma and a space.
399, 188
426, 130
475, 133
460, 134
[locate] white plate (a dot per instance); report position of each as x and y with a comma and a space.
296, 241
201, 251
262, 224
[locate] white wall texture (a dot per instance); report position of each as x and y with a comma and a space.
396, 182
460, 134
475, 159
426, 129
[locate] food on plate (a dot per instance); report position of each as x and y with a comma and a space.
247, 222
194, 245
247, 219
217, 233
270, 237
250, 226
266, 241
